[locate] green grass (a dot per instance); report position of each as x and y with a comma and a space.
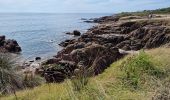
138, 68
136, 77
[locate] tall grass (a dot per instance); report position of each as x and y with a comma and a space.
80, 79
32, 81
9, 79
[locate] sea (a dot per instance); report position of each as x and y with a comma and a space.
39, 34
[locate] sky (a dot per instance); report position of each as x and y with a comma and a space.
80, 6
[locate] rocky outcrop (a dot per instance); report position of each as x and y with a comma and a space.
75, 33
146, 37
100, 46
9, 45
106, 19
94, 57
67, 42
58, 72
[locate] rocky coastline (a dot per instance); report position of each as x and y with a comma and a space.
105, 43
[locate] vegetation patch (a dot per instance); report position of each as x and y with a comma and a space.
138, 68
9, 79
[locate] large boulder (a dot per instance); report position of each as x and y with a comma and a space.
76, 33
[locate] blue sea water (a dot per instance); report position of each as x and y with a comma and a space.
39, 34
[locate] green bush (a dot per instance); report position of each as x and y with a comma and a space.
138, 66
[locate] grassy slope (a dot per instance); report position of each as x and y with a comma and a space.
146, 12
151, 75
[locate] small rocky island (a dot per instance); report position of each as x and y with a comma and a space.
110, 40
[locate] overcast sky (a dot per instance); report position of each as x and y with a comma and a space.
80, 6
